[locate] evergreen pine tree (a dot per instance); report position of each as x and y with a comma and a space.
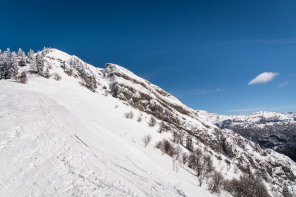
20, 52
4, 64
13, 69
39, 65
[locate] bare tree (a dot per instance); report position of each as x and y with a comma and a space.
189, 144
204, 168
177, 162
147, 139
177, 151
184, 158
246, 186
177, 157
216, 183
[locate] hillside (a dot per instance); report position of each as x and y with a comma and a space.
74, 129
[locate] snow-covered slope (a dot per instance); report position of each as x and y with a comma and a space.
59, 138
63, 140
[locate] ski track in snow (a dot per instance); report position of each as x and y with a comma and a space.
69, 144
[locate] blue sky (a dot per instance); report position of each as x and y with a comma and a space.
203, 52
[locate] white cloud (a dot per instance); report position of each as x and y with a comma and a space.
203, 91
283, 84
219, 90
263, 78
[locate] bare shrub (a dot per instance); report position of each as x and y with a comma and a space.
139, 119
129, 115
216, 182
69, 72
158, 144
56, 76
166, 147
163, 127
152, 121
147, 139
22, 78
246, 186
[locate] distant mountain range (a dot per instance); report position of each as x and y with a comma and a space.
272, 130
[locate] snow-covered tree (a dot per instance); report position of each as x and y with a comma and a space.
13, 69
8, 65
30, 56
20, 52
39, 65
23, 61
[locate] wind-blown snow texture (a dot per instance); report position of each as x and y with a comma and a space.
58, 138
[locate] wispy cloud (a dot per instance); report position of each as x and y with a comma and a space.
283, 84
263, 78
219, 90
199, 92
202, 92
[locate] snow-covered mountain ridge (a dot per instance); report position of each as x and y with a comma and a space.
83, 137
260, 118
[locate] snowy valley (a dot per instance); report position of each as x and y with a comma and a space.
68, 128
